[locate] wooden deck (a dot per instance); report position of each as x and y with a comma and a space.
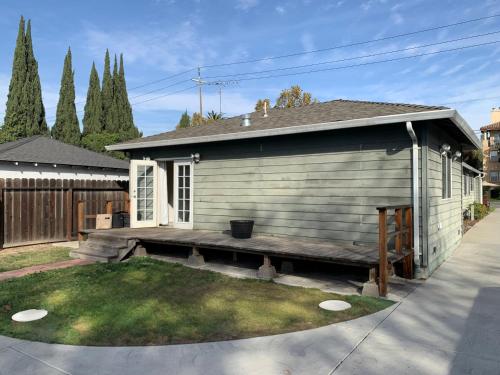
286, 247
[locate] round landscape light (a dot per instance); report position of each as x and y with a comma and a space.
334, 305
29, 315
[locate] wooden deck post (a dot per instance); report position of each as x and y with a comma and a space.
408, 260
398, 219
382, 251
81, 219
109, 207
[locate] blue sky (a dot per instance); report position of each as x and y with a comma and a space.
160, 38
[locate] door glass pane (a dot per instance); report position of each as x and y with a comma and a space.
183, 193
145, 192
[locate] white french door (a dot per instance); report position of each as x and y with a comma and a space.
143, 193
183, 194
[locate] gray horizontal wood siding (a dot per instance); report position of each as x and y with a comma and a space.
444, 215
323, 185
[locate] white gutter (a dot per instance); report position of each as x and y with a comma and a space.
415, 194
308, 128
471, 168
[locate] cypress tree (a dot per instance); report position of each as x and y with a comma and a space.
185, 121
15, 116
36, 123
92, 118
25, 114
112, 124
66, 128
107, 95
126, 118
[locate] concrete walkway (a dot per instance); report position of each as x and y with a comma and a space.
448, 325
42, 268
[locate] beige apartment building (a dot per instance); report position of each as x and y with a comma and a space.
490, 137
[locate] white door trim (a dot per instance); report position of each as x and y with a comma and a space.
134, 222
177, 223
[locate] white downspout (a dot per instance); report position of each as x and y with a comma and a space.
415, 194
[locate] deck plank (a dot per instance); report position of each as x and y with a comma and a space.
288, 247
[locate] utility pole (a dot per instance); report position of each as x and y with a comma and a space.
200, 83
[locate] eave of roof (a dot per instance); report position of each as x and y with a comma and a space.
492, 126
307, 128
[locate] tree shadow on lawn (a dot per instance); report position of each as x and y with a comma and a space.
146, 302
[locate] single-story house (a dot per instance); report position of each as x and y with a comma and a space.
43, 157
318, 171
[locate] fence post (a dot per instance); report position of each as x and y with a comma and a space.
69, 214
382, 250
127, 202
81, 219
109, 207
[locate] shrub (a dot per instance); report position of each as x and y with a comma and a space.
480, 211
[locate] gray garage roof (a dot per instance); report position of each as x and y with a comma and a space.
335, 114
44, 150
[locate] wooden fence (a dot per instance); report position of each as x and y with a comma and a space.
42, 210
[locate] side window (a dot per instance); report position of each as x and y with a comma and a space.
446, 176
493, 176
493, 155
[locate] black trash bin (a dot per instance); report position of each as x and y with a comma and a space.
241, 228
117, 220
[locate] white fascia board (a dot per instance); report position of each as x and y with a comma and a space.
460, 122
371, 121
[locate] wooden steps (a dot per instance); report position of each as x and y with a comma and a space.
102, 247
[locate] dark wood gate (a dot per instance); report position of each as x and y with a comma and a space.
42, 210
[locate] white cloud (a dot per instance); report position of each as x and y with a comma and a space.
432, 69
397, 18
171, 51
233, 103
307, 42
453, 70
246, 4
280, 9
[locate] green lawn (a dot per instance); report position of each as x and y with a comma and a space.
146, 302
50, 254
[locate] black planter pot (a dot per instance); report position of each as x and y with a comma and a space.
241, 228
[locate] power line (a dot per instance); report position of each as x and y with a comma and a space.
162, 96
352, 44
51, 118
364, 64
355, 57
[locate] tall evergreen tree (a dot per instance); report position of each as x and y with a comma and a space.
127, 128
25, 114
107, 96
92, 118
113, 116
185, 121
66, 128
36, 123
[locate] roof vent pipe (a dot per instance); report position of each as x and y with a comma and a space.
265, 108
245, 120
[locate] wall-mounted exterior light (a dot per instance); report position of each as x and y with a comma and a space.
195, 157
457, 155
445, 148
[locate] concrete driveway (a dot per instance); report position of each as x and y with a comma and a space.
448, 325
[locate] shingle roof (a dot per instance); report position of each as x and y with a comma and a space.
493, 126
332, 111
46, 150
